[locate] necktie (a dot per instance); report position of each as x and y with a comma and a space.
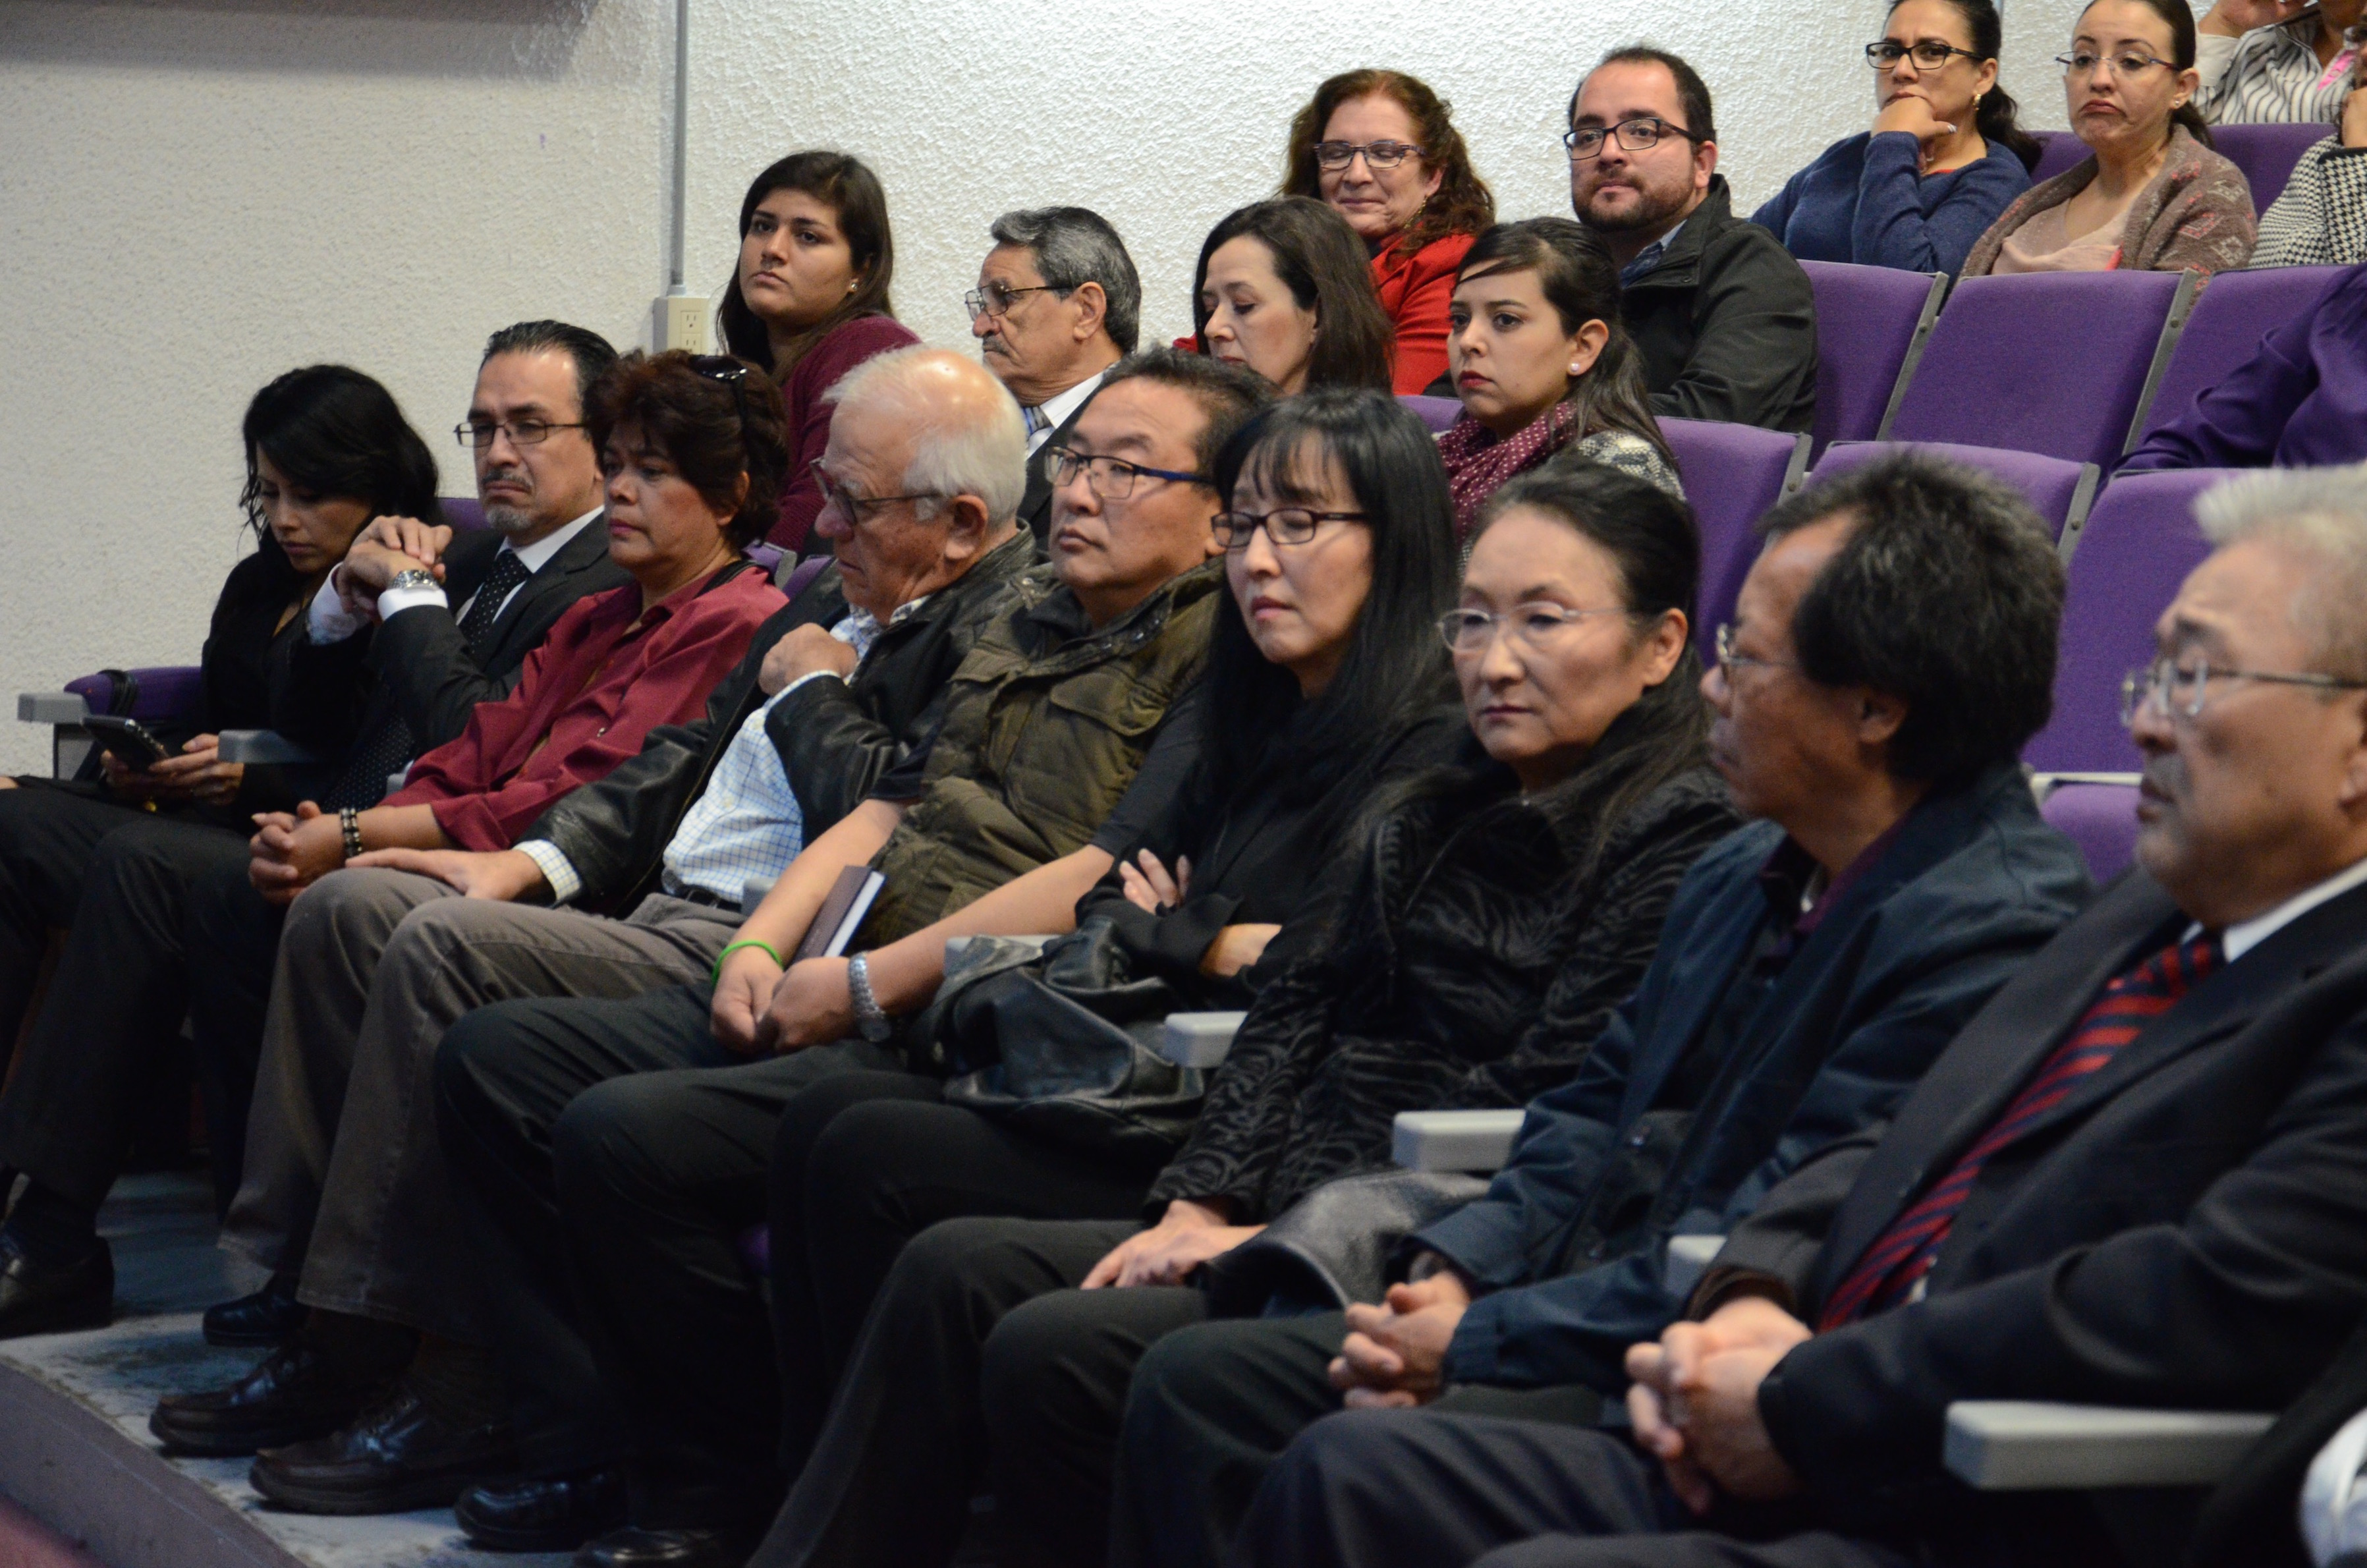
1904, 1254
1037, 422
389, 744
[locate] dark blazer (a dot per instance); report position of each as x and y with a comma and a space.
1571, 1239
1035, 505
2187, 1228
1727, 323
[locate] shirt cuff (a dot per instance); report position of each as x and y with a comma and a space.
556, 868
2213, 52
326, 619
394, 601
809, 676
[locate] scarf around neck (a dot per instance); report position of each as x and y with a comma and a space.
1478, 461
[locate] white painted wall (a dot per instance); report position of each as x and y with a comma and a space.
197, 194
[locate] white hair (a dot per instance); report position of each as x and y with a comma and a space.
2322, 511
962, 445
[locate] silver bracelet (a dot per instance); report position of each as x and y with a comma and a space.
870, 1019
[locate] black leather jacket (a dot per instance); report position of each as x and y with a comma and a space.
836, 738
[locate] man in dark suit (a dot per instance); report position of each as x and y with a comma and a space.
1057, 304
2139, 1176
388, 607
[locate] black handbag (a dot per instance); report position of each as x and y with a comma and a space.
1332, 1247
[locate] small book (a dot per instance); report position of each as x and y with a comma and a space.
841, 914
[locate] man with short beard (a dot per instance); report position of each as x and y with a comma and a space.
1724, 316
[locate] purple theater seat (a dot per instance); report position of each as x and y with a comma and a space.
168, 693
1437, 413
462, 511
2138, 546
2062, 490
2051, 362
2101, 819
1732, 474
1871, 323
2224, 331
2060, 152
2267, 153
768, 556
757, 1250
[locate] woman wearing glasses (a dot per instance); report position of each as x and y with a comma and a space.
1494, 913
1381, 147
1283, 288
2152, 197
808, 301
1943, 159
1544, 366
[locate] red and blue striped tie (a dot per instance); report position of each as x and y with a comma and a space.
1904, 1254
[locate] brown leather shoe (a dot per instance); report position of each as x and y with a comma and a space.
397, 1456
306, 1388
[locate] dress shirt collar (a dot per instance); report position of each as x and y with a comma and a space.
2241, 939
536, 556
1055, 410
1650, 256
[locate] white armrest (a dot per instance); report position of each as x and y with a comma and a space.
264, 748
753, 891
2003, 1445
50, 708
1689, 1259
1453, 1140
1198, 1040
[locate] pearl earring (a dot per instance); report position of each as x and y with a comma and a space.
1578, 369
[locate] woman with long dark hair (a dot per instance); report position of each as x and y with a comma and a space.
1943, 159
1544, 365
1285, 288
808, 301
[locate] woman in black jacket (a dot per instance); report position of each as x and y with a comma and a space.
1499, 910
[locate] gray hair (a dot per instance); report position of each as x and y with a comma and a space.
2322, 511
1073, 246
961, 446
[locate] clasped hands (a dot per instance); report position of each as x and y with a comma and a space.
761, 1009
1694, 1402
381, 552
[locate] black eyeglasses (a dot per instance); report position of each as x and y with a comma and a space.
836, 497
480, 433
1112, 479
1638, 135
725, 369
994, 299
1378, 154
1290, 525
1929, 54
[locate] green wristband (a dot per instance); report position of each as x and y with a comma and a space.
770, 951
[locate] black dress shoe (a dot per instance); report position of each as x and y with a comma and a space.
40, 1298
397, 1456
631, 1548
270, 1316
300, 1390
557, 1514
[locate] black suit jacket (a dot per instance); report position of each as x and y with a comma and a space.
2188, 1229
1035, 505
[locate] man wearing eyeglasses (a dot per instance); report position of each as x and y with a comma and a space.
1722, 314
2138, 1177
1058, 302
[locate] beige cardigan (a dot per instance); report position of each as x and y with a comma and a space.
2196, 213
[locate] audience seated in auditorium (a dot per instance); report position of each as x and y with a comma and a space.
808, 301
1500, 912
169, 933
327, 451
1723, 316
1382, 147
1544, 366
2135, 1178
1761, 1033
2301, 401
1943, 159
2151, 196
1284, 288
2268, 61
1057, 304
692, 449
2320, 219
1333, 687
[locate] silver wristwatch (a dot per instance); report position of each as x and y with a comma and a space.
411, 577
870, 1019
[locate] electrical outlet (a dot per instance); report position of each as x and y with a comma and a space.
681, 322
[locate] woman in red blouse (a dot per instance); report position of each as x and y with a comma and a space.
1380, 147
808, 302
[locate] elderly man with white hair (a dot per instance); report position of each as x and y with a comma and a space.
2138, 1177
925, 477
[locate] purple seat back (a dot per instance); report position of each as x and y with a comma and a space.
1871, 327
168, 693
768, 556
1998, 371
1437, 413
2059, 153
2059, 489
2138, 546
2267, 153
462, 512
1732, 474
2101, 819
2225, 331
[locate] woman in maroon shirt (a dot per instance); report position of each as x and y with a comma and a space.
809, 302
1380, 147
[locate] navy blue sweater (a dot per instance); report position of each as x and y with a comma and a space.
1863, 201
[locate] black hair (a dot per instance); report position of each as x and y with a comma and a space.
2179, 19
1227, 394
1947, 595
1324, 265
712, 430
334, 431
847, 187
590, 353
1692, 93
1996, 114
1260, 732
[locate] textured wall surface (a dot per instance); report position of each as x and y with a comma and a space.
197, 194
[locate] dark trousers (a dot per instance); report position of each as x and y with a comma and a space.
120, 880
1379, 1488
233, 938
